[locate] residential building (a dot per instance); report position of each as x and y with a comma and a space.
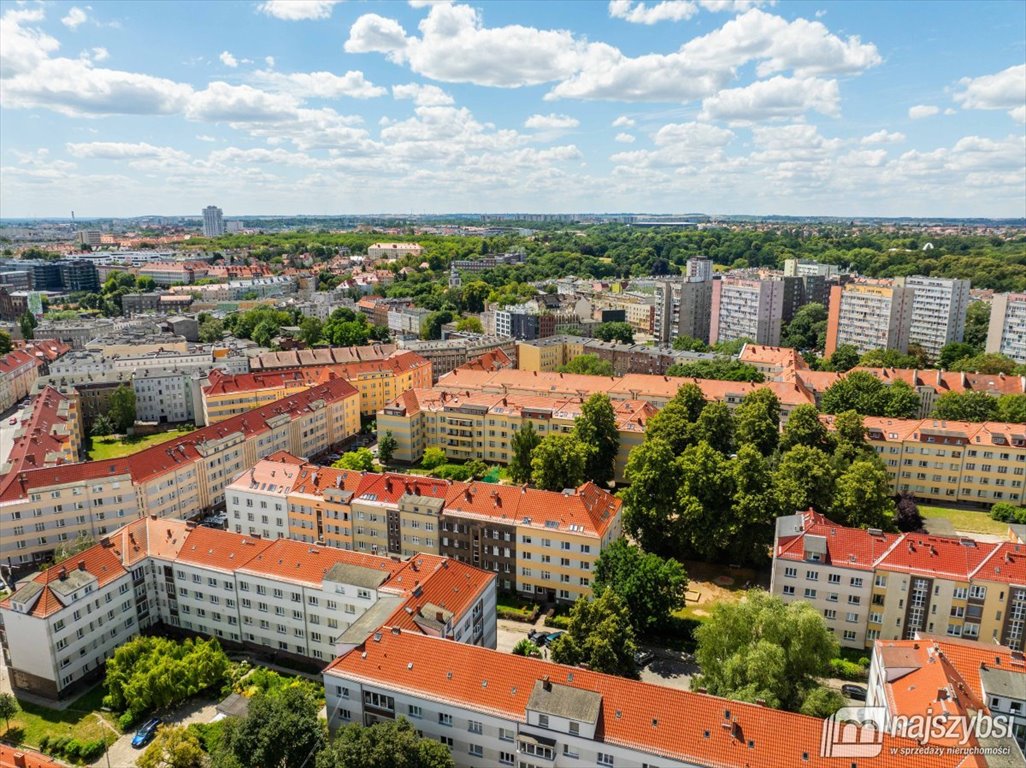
806, 268
139, 303
497, 709
19, 370
213, 221
490, 261
12, 306
446, 355
521, 321
294, 600
79, 275
90, 237
698, 270
181, 478
872, 586
682, 308
393, 250
869, 314
166, 395
406, 321
168, 273
775, 363
954, 679
250, 289
555, 351
747, 308
938, 312
23, 757
77, 333
48, 433
322, 356
1007, 331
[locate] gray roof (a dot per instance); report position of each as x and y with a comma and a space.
27, 592
357, 575
373, 618
74, 581
563, 701
1003, 682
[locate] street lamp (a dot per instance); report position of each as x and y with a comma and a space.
106, 749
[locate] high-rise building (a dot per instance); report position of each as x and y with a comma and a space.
79, 275
682, 309
213, 221
938, 311
90, 237
805, 268
1007, 331
698, 269
744, 308
869, 315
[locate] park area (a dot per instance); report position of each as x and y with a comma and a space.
116, 446
80, 725
944, 521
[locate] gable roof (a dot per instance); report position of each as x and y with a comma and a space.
842, 547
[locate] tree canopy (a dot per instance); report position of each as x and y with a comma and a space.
393, 744
652, 587
280, 730
591, 365
600, 634
558, 462
595, 428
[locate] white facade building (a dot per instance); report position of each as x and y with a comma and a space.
1006, 333
938, 312
213, 221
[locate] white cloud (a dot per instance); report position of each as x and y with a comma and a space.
204, 137
919, 111
228, 60
221, 102
372, 33
76, 16
269, 61
776, 97
551, 122
422, 95
321, 85
640, 13
883, 136
733, 6
298, 10
623, 122
1003, 90
117, 150
21, 48
625, 138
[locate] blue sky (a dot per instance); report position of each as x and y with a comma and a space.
308, 106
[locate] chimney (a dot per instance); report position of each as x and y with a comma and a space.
62, 574
19, 760
546, 683
81, 565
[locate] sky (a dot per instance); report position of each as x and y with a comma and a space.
284, 107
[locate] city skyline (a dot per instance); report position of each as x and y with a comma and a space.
119, 110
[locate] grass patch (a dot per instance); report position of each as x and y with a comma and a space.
78, 721
515, 608
115, 446
968, 520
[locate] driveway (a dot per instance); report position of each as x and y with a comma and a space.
121, 753
672, 669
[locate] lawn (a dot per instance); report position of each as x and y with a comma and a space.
114, 446
78, 721
966, 520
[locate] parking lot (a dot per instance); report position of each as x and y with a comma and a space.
123, 755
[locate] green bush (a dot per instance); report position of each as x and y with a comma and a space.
126, 720
847, 670
91, 750
558, 622
44, 742
1008, 513
209, 734
512, 614
458, 472
72, 750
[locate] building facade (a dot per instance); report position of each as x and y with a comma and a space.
213, 221
1006, 333
869, 315
744, 308
938, 312
682, 308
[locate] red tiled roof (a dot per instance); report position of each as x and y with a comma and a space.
23, 757
390, 487
321, 356
223, 550
16, 359
221, 383
448, 584
846, 547
493, 360
663, 721
43, 436
1007, 564
924, 554
307, 563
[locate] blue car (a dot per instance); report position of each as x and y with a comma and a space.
146, 733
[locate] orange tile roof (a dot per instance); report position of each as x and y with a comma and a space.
780, 357
23, 757
449, 584
15, 360
222, 550
1006, 564
920, 553
321, 356
846, 547
43, 436
307, 563
492, 360
149, 537
221, 383
664, 721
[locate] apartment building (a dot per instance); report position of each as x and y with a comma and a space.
479, 425
48, 433
807, 268
301, 358
872, 586
41, 508
166, 395
747, 308
493, 709
213, 221
775, 363
540, 543
954, 679
938, 311
19, 370
871, 314
168, 273
406, 321
377, 382
455, 351
393, 250
683, 308
556, 351
1006, 333
299, 601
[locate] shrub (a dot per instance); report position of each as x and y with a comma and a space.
458, 472
91, 750
558, 622
1008, 513
847, 670
526, 647
125, 720
58, 745
512, 614
44, 742
73, 750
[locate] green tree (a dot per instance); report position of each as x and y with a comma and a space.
101, 426
526, 647
281, 730
977, 322
822, 702
650, 511
952, 352
861, 391
469, 325
804, 427
264, 332
748, 526
715, 426
5, 342
384, 745
888, 358
600, 635
386, 447
689, 344
761, 648
522, 444
174, 747
360, 460
474, 296
720, 368
621, 332
965, 406
673, 422
558, 462
310, 330
1011, 408
590, 365
844, 358
803, 479
807, 329
121, 410
988, 362
8, 708
730, 348
704, 496
651, 587
27, 322
903, 402
863, 497
758, 420
595, 428
433, 457
431, 326
210, 329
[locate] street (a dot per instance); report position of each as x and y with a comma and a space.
123, 755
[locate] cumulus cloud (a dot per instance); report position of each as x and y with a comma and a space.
269, 61
883, 136
551, 122
422, 95
298, 10
1003, 90
321, 85
776, 97
22, 48
76, 16
920, 111
118, 150
625, 138
228, 60
640, 13
372, 33
221, 102
623, 122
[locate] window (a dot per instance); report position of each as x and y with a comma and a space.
834, 578
788, 589
415, 712
446, 740
444, 719
849, 635
543, 721
604, 759
505, 735
474, 726
506, 758
475, 750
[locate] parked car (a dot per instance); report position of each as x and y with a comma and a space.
641, 658
856, 692
550, 638
146, 733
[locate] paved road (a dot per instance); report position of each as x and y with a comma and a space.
121, 753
